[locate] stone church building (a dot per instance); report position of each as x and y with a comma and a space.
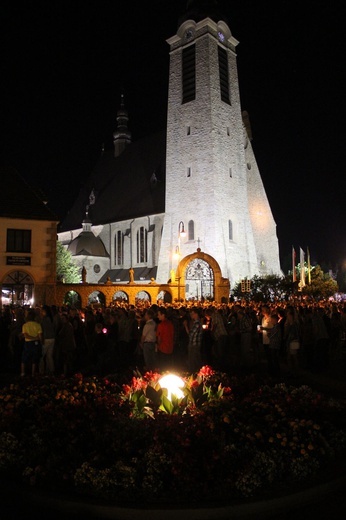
180, 205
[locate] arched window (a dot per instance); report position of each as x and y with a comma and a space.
191, 230
230, 230
142, 245
118, 248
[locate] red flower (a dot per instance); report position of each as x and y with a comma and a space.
152, 376
206, 371
126, 389
138, 383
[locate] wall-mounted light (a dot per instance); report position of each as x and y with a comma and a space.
181, 230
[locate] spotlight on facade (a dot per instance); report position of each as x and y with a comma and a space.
173, 384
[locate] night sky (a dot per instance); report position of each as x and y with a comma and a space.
64, 65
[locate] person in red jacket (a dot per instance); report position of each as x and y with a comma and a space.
165, 340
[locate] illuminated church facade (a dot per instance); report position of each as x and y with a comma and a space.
192, 192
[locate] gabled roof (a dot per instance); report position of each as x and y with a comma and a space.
19, 200
129, 186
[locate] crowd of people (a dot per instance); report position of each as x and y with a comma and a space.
51, 340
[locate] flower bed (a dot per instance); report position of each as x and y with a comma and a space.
127, 441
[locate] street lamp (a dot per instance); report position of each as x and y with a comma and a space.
177, 253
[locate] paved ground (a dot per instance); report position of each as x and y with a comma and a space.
326, 502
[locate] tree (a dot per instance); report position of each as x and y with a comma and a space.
271, 287
66, 270
265, 288
322, 284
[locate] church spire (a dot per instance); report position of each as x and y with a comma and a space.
122, 135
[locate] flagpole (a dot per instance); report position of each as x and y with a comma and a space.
302, 269
294, 275
309, 266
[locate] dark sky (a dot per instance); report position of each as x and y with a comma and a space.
65, 64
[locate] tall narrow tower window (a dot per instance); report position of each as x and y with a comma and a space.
189, 73
191, 230
118, 248
223, 72
142, 245
230, 230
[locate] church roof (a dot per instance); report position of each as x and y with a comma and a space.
19, 200
87, 244
129, 186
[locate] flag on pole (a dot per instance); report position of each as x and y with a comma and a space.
309, 266
294, 275
302, 268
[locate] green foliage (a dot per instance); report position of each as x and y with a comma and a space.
322, 284
270, 287
72, 299
266, 288
146, 397
66, 270
172, 405
81, 436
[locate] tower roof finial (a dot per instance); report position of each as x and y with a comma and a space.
122, 135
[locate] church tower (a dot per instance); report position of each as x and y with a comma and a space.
122, 135
214, 190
